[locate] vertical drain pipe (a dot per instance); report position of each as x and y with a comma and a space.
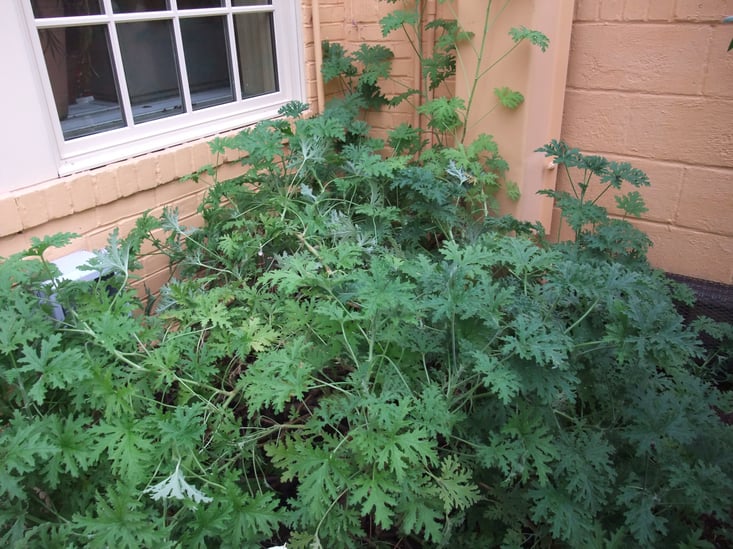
318, 47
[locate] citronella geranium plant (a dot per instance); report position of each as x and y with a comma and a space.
348, 357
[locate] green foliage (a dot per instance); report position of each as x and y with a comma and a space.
477, 166
358, 72
590, 178
509, 98
354, 353
444, 113
361, 72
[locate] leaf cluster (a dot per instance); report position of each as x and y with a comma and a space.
590, 178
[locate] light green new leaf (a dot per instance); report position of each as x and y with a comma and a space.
455, 486
509, 98
444, 113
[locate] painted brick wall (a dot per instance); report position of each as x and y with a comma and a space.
96, 202
650, 82
353, 22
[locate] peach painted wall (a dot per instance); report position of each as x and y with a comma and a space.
650, 82
539, 76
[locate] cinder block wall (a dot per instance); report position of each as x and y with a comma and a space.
650, 82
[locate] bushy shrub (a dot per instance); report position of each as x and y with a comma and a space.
350, 356
354, 351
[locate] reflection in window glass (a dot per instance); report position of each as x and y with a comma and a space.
208, 53
151, 69
207, 61
196, 4
82, 79
65, 8
238, 3
128, 6
256, 53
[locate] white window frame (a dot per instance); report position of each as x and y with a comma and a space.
103, 148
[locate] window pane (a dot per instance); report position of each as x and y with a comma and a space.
82, 79
256, 53
151, 69
238, 3
207, 61
128, 6
65, 8
195, 4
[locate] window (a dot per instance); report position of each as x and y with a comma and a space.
128, 76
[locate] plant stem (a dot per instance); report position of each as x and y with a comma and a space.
585, 314
604, 191
477, 74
